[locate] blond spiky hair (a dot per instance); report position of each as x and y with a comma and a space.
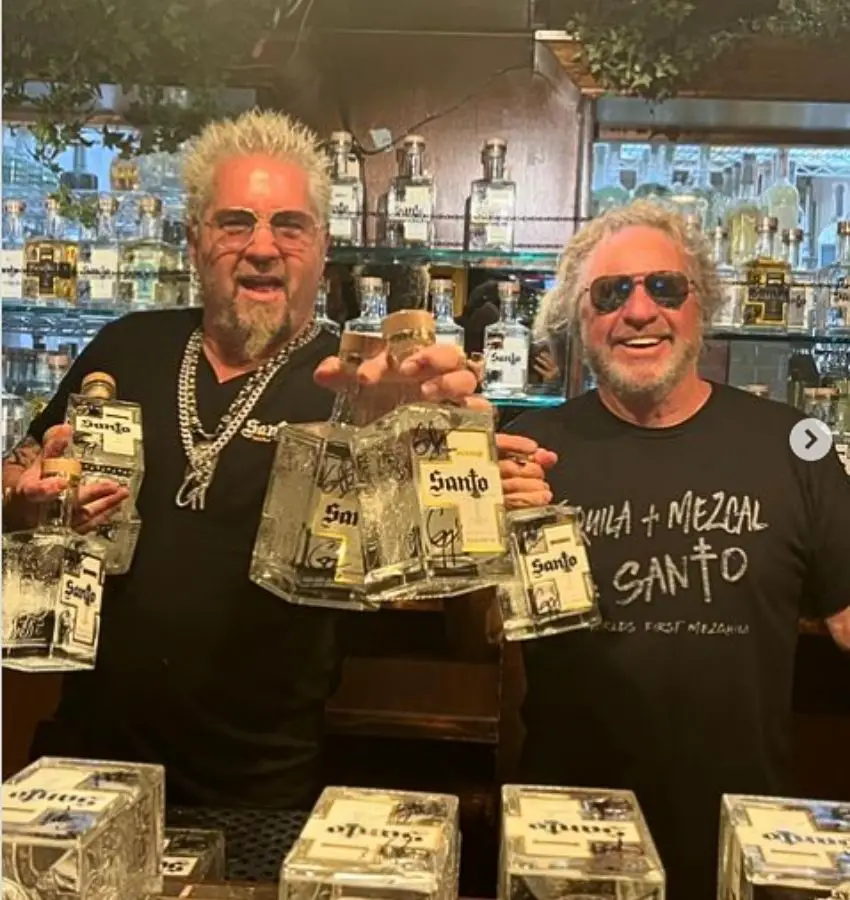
559, 308
268, 133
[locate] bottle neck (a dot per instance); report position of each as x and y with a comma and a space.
150, 227
843, 249
340, 163
494, 168
766, 244
508, 309
59, 512
443, 306
373, 306
14, 229
412, 167
320, 307
783, 168
53, 226
106, 229
720, 251
795, 253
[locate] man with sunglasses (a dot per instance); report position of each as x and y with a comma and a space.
706, 535
198, 668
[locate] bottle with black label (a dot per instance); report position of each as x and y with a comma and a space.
767, 282
51, 260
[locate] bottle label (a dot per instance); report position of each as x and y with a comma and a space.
415, 211
506, 362
12, 276
555, 569
460, 490
838, 314
98, 274
727, 313
106, 427
494, 211
767, 298
78, 609
343, 214
179, 866
51, 270
801, 305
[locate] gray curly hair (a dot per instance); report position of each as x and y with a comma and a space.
559, 308
257, 131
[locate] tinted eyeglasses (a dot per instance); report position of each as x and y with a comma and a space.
234, 229
668, 289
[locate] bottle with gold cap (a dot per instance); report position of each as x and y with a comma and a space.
52, 586
429, 484
108, 443
308, 548
150, 267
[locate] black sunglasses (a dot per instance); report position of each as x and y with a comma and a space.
668, 289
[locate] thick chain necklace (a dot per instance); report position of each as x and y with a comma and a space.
202, 448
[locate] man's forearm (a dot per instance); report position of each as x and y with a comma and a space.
15, 463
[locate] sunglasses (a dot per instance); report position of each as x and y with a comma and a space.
668, 289
234, 229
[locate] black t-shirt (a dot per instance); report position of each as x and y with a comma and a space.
704, 540
198, 668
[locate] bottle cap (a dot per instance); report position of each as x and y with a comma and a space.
61, 467
507, 289
369, 284
341, 137
407, 320
150, 205
844, 228
414, 140
364, 346
442, 286
497, 144
769, 223
721, 232
796, 235
99, 384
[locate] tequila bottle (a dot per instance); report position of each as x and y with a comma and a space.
309, 548
506, 347
108, 444
801, 304
688, 202
768, 282
51, 260
411, 200
430, 490
443, 309
744, 215
834, 301
492, 203
345, 222
12, 253
83, 830
782, 200
320, 310
655, 185
373, 306
728, 314
52, 586
149, 267
98, 279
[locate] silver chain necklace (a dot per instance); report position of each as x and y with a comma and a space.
202, 448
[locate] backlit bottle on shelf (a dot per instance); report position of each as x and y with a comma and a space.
782, 200
411, 199
767, 282
744, 215
373, 306
345, 221
608, 192
506, 347
655, 184
16, 420
12, 253
442, 292
149, 267
51, 260
98, 267
834, 300
492, 202
801, 303
320, 310
687, 201
728, 314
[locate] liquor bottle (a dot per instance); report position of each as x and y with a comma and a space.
492, 203
782, 200
345, 222
801, 303
655, 185
728, 314
16, 420
834, 301
373, 306
430, 491
506, 347
689, 203
149, 267
320, 310
51, 260
552, 590
107, 442
52, 586
124, 175
744, 215
767, 280
12, 252
443, 308
309, 548
98, 268
411, 200
608, 192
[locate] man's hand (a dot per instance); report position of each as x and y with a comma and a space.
97, 500
442, 372
523, 466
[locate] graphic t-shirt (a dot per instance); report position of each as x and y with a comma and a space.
198, 668
705, 540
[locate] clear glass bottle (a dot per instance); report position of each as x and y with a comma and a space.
553, 590
51, 260
782, 200
689, 203
430, 489
834, 301
506, 347
373, 306
411, 200
98, 270
744, 215
767, 280
320, 310
492, 202
801, 304
107, 443
12, 252
442, 292
309, 549
52, 586
655, 184
608, 192
728, 314
345, 222
149, 266
16, 420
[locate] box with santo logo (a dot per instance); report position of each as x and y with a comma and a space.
576, 842
783, 849
362, 843
83, 830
